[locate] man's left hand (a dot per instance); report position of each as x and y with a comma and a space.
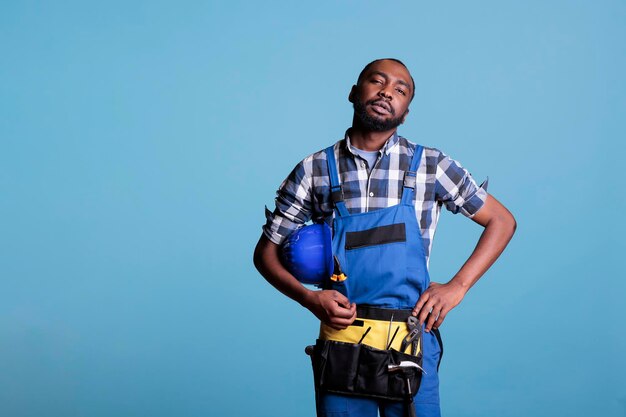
435, 303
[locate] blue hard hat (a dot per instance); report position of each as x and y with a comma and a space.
308, 255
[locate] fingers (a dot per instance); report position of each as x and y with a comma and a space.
424, 306
337, 311
430, 320
339, 323
343, 312
344, 317
342, 307
433, 306
435, 320
427, 313
440, 319
340, 298
353, 309
420, 303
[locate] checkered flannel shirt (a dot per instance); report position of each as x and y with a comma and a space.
441, 181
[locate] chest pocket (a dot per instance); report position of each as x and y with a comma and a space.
376, 236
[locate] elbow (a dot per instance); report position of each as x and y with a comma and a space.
511, 223
505, 222
264, 253
257, 256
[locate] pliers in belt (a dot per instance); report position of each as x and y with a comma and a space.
338, 275
412, 337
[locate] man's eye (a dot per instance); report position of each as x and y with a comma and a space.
401, 91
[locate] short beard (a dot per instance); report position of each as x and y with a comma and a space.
374, 124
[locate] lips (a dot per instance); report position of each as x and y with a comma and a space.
381, 106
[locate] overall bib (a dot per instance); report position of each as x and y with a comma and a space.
382, 254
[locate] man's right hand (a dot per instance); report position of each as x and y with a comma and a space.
332, 308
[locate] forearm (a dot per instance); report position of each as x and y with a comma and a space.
267, 262
438, 299
329, 306
499, 229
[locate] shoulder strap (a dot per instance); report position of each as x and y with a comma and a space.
336, 192
410, 177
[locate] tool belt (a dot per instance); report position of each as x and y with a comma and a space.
366, 358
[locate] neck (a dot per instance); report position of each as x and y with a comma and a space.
368, 140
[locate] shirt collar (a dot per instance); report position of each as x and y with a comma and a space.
391, 142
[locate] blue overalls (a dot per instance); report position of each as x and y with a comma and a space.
382, 254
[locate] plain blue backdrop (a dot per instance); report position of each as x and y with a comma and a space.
140, 141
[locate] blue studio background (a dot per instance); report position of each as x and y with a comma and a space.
140, 141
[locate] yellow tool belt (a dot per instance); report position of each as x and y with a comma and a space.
380, 328
366, 359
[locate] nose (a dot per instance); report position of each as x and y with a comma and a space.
385, 94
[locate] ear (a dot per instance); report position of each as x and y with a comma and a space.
352, 93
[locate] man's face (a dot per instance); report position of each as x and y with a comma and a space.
382, 96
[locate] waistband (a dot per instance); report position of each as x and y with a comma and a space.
384, 314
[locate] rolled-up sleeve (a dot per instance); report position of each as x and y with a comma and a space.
456, 189
293, 205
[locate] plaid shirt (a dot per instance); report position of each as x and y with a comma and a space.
441, 181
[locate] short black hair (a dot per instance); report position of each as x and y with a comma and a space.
364, 70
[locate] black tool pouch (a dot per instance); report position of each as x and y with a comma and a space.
361, 370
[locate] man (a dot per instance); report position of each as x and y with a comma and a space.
385, 198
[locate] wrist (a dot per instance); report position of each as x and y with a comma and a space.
458, 283
306, 298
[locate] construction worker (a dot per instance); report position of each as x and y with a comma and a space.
382, 194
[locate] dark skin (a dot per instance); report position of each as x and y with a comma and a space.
387, 88
390, 85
